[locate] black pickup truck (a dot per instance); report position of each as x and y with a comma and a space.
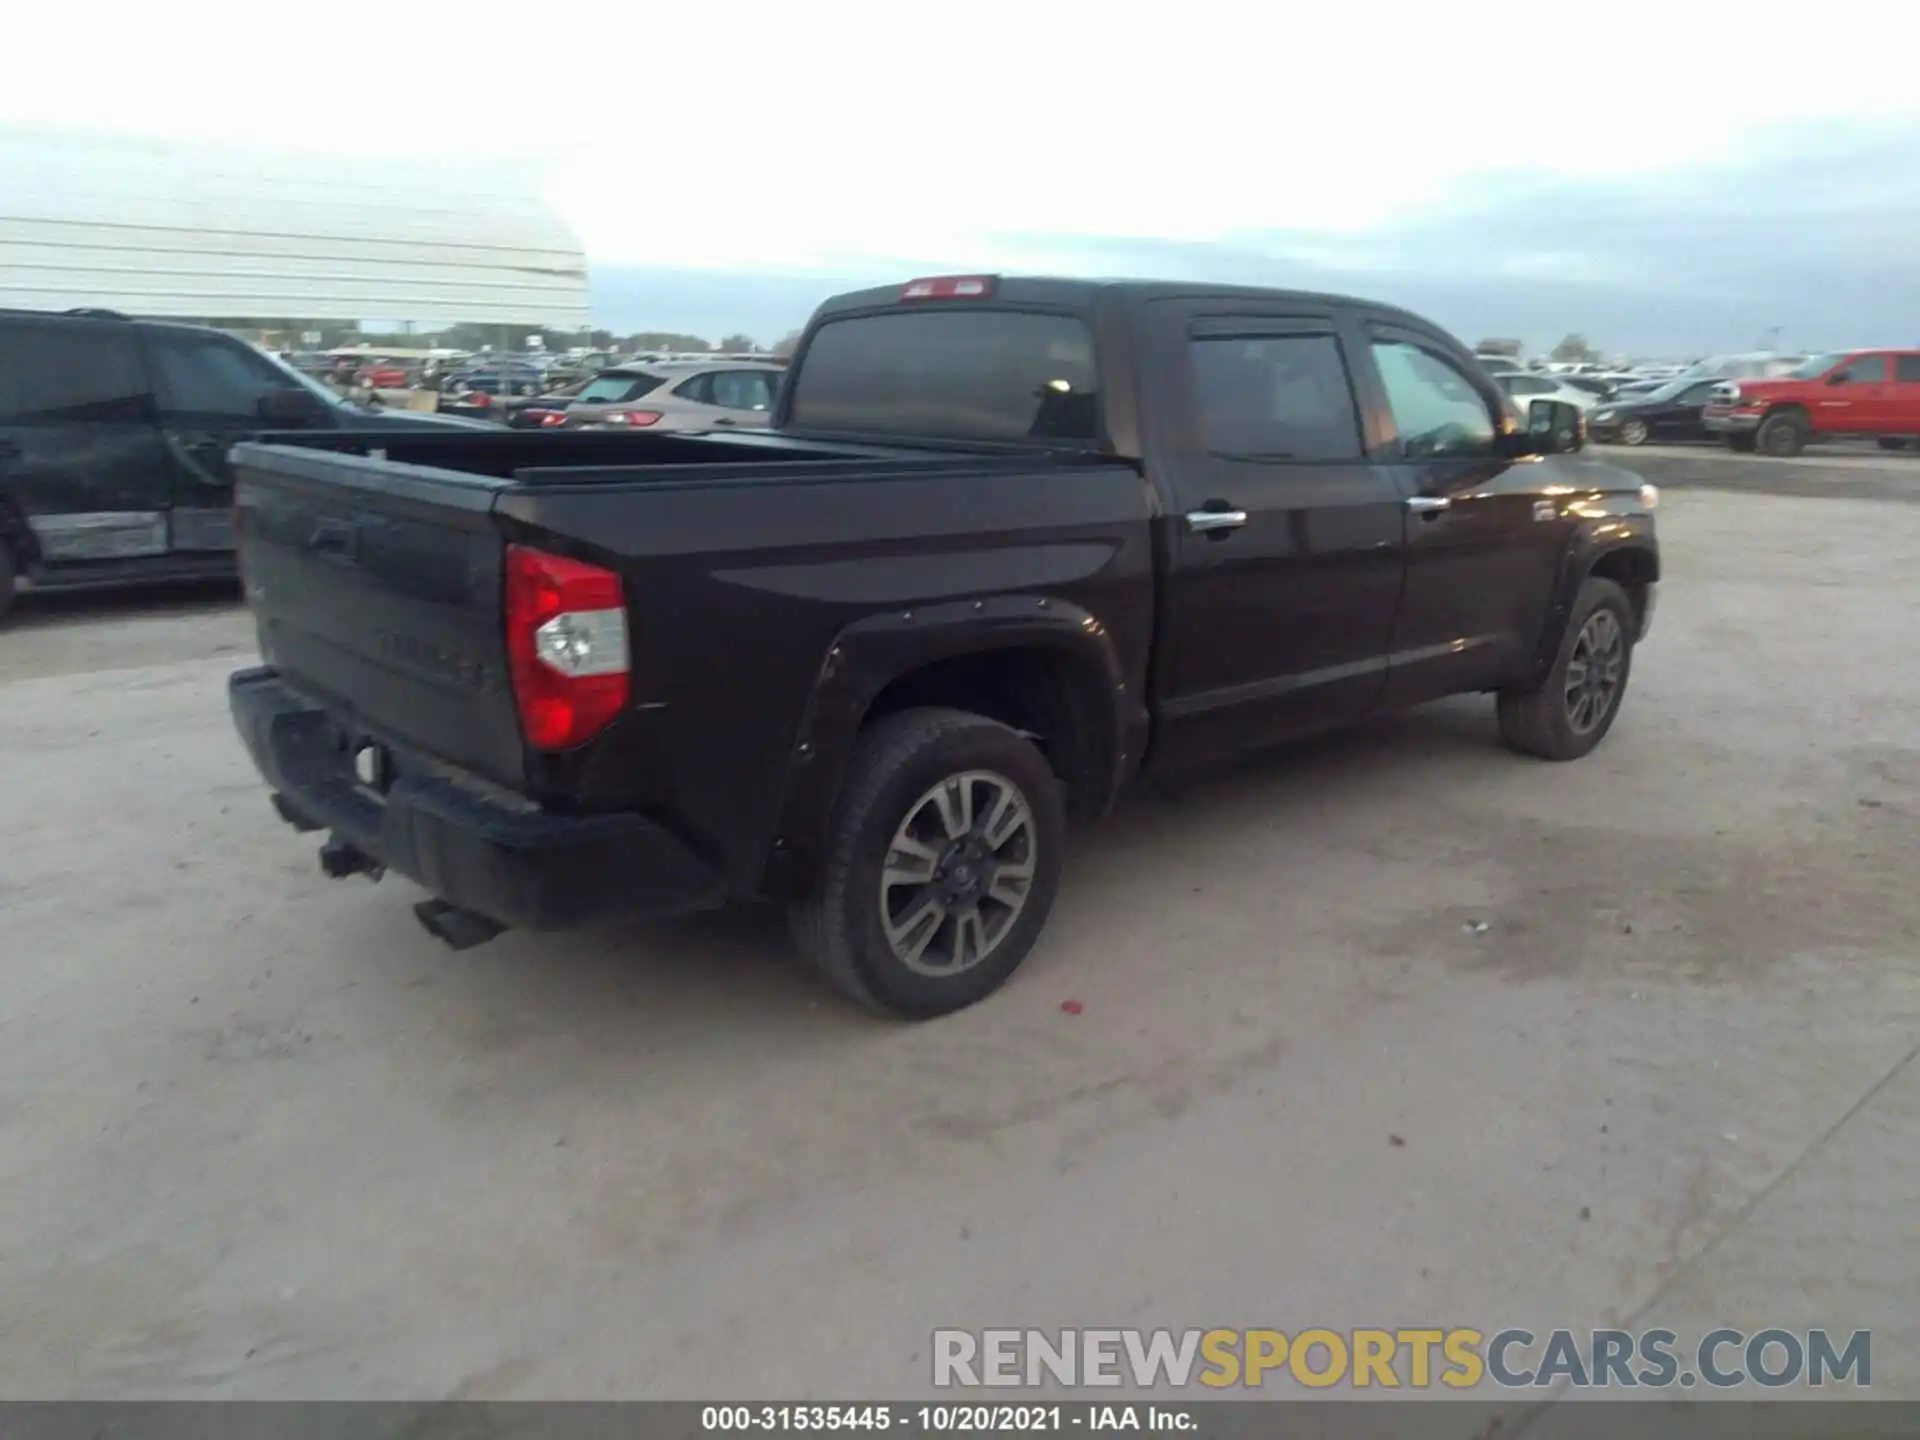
1010, 544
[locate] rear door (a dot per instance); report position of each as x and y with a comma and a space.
209, 388
1906, 395
81, 463
1481, 553
1283, 555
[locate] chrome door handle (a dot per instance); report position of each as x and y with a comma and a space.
1427, 504
1201, 522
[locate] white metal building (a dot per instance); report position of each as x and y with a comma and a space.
192, 231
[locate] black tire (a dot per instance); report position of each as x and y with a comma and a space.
895, 766
1782, 435
1634, 432
8, 573
1892, 442
1741, 443
1542, 721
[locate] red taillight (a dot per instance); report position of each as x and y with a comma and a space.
551, 417
949, 287
479, 398
566, 646
635, 418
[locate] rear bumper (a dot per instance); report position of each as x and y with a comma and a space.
1731, 424
481, 850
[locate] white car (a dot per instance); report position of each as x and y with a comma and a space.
1525, 389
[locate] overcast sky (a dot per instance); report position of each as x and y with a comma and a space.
1659, 178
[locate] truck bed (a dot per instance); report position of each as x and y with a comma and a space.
374, 567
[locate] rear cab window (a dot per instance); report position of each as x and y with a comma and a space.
973, 373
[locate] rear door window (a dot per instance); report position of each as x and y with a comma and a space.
1906, 369
962, 374
78, 374
740, 389
1275, 397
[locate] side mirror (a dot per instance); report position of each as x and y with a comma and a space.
290, 407
1839, 377
1554, 427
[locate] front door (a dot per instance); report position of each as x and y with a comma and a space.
1483, 539
209, 387
1857, 398
1283, 553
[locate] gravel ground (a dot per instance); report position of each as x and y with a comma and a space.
1393, 1029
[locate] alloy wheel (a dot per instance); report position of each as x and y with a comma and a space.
1593, 672
958, 873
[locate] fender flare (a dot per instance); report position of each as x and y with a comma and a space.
870, 654
1629, 531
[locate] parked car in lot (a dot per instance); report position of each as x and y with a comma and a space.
1868, 393
1525, 389
676, 396
1010, 546
542, 412
113, 445
1667, 412
1598, 386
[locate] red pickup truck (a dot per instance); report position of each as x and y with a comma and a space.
1861, 392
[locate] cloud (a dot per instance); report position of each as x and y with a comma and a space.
1807, 226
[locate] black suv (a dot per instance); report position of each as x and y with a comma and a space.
113, 445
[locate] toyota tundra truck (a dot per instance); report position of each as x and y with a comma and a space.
1009, 546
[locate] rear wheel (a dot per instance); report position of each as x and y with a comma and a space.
1633, 432
1892, 442
1784, 434
1573, 707
941, 867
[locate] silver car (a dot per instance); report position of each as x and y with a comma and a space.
676, 396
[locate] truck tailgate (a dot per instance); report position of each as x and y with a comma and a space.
376, 587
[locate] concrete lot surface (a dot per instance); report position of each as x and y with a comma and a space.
1398, 1029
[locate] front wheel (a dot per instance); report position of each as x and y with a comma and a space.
1570, 711
941, 866
1784, 435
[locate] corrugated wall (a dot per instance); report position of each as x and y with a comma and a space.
193, 231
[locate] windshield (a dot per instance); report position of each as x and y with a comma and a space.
963, 374
612, 389
1813, 367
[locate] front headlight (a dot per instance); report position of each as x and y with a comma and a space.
1649, 496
